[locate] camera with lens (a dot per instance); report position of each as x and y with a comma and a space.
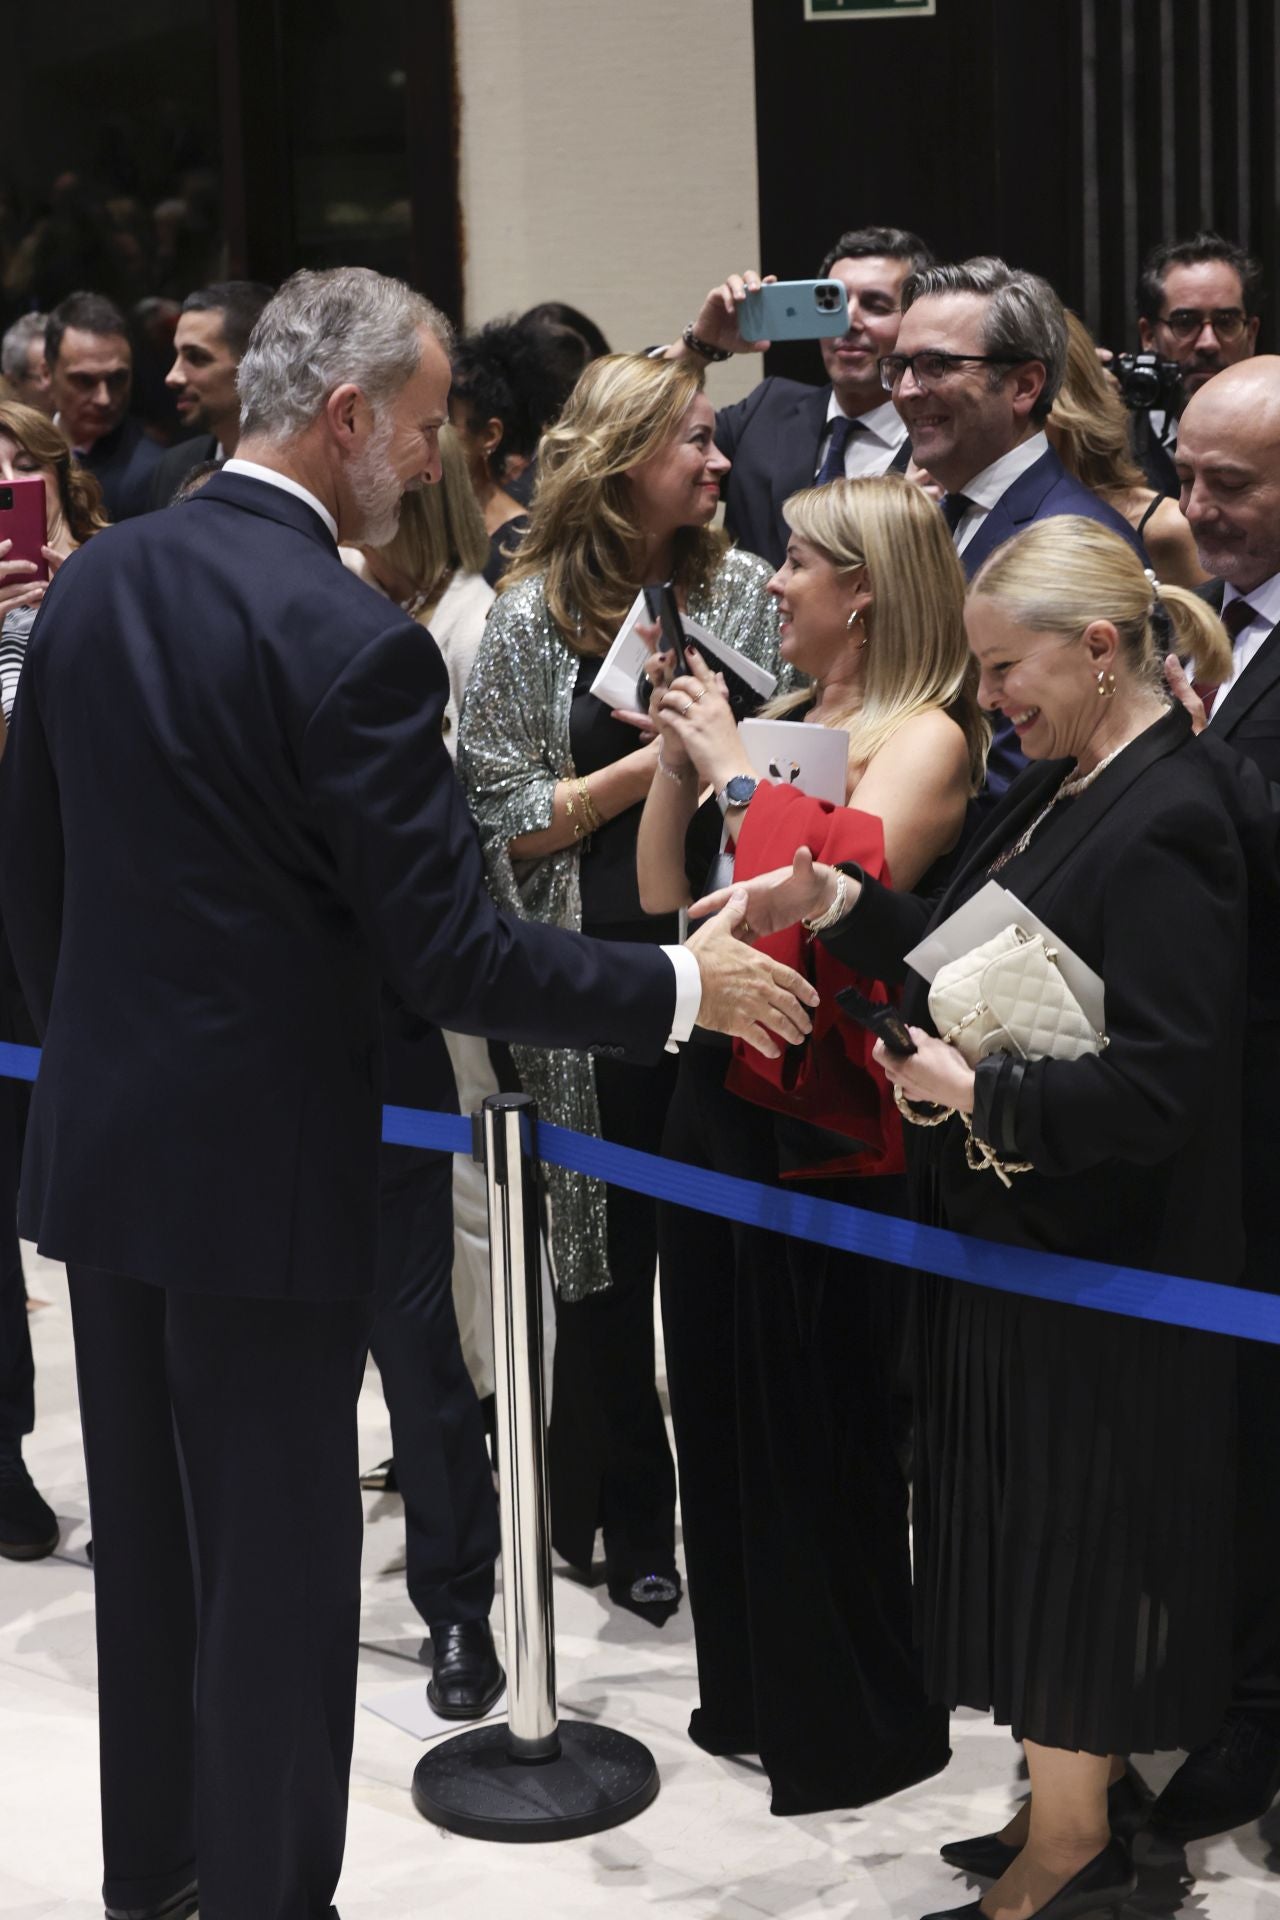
828, 299
1145, 380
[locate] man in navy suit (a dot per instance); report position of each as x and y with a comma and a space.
980, 356
785, 435
229, 817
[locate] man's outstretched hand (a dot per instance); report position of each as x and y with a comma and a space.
775, 901
745, 993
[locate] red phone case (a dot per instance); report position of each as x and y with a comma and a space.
22, 520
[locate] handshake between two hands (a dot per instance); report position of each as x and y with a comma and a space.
746, 993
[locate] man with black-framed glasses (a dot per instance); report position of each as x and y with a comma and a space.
979, 359
1199, 304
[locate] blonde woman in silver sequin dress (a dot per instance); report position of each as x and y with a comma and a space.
628, 487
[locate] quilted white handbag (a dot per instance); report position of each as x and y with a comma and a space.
1009, 996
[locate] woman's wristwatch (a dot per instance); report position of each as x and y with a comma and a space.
736, 792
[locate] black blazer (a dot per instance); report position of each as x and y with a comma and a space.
772, 438
124, 464
176, 462
228, 816
1043, 492
1246, 739
1136, 1150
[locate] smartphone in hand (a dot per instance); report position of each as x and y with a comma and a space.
795, 310
886, 1023
23, 521
662, 607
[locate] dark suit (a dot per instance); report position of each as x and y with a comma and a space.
229, 817
773, 438
123, 463
1043, 492
176, 462
1249, 726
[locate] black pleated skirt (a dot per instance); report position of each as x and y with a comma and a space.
1074, 1506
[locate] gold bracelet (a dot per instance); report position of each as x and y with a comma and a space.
571, 816
590, 811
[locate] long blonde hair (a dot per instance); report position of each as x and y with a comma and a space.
441, 527
582, 532
1060, 575
1092, 421
917, 658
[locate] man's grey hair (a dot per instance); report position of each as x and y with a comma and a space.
16, 344
323, 330
1024, 317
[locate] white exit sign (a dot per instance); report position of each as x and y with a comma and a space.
866, 9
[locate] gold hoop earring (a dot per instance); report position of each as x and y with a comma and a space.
1106, 684
855, 620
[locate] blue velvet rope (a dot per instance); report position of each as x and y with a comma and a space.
1164, 1297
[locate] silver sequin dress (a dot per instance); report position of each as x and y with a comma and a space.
513, 746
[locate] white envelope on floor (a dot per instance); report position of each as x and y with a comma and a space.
990, 911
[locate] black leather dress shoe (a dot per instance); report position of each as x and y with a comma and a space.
179, 1906
28, 1524
1228, 1783
987, 1856
1100, 1888
466, 1678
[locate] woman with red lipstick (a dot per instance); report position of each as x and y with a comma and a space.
1075, 1468
782, 1358
628, 485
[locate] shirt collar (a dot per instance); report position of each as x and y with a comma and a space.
883, 423
268, 475
987, 487
1264, 599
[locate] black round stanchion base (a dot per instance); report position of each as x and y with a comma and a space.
472, 1785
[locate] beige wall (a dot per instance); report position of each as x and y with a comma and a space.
608, 159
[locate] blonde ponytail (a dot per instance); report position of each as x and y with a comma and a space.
1197, 634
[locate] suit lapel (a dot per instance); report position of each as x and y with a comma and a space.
799, 436
1017, 505
1258, 678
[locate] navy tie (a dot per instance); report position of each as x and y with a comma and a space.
832, 467
954, 508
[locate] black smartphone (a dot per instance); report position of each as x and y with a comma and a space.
661, 606
886, 1023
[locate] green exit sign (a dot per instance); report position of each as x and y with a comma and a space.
866, 9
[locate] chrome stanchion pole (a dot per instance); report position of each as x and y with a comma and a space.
539, 1777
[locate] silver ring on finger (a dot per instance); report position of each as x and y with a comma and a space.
686, 710
701, 694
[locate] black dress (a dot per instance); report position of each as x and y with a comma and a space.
1074, 1482
610, 1464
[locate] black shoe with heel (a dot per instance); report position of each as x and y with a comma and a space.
988, 1856
1100, 1888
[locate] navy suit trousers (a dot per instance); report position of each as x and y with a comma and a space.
17, 1374
220, 1439
437, 1433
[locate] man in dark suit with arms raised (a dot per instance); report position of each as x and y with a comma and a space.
229, 818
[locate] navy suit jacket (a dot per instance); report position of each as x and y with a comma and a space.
124, 465
228, 817
772, 438
1043, 492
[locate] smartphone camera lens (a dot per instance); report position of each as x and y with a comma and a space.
828, 299
6, 499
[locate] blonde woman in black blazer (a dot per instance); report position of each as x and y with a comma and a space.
1074, 1468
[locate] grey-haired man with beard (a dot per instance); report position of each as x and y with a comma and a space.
205, 891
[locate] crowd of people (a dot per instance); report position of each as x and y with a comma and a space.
1034, 585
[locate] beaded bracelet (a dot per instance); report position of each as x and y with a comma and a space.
834, 912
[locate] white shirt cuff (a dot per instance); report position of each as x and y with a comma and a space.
688, 994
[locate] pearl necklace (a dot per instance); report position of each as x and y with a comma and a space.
1076, 783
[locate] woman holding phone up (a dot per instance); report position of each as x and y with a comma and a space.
629, 482
1074, 1467
32, 447
783, 1357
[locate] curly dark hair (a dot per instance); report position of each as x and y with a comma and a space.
510, 371
1195, 252
78, 492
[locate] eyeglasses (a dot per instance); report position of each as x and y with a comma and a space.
931, 367
1184, 323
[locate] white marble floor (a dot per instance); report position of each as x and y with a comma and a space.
707, 1849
